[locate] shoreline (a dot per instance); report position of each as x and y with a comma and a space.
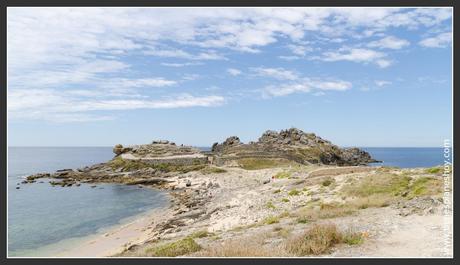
115, 239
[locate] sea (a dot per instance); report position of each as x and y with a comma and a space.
42, 219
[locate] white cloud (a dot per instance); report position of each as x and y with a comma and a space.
233, 71
277, 73
439, 41
181, 64
306, 85
356, 55
177, 53
84, 51
381, 83
389, 42
300, 50
54, 105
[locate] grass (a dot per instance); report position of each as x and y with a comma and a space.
352, 238
261, 163
277, 191
327, 182
425, 186
283, 175
390, 184
380, 189
320, 239
178, 248
270, 205
316, 240
434, 170
130, 165
213, 170
325, 211
372, 201
285, 200
294, 192
248, 247
303, 219
271, 220
201, 234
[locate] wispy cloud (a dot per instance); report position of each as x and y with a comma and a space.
306, 85
439, 41
276, 73
54, 105
356, 55
233, 71
181, 64
389, 42
382, 83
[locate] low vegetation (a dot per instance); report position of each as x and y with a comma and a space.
271, 220
327, 182
425, 186
320, 239
261, 163
174, 249
201, 234
283, 175
391, 184
270, 205
294, 192
213, 170
126, 165
434, 170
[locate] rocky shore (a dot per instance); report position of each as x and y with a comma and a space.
274, 195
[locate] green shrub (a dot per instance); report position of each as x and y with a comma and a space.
294, 192
434, 170
177, 248
327, 182
285, 200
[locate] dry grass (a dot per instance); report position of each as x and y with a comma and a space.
316, 240
271, 220
243, 247
326, 211
319, 239
212, 170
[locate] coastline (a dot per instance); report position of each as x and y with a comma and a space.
115, 239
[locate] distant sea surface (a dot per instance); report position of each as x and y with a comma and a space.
407, 157
42, 219
40, 215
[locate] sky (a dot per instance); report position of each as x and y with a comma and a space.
376, 77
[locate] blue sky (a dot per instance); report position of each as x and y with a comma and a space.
102, 76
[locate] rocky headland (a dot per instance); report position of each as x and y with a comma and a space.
290, 193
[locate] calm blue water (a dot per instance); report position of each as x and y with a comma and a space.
40, 215
407, 157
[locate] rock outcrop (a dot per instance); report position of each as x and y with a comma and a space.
291, 144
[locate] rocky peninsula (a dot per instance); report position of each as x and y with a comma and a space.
289, 193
